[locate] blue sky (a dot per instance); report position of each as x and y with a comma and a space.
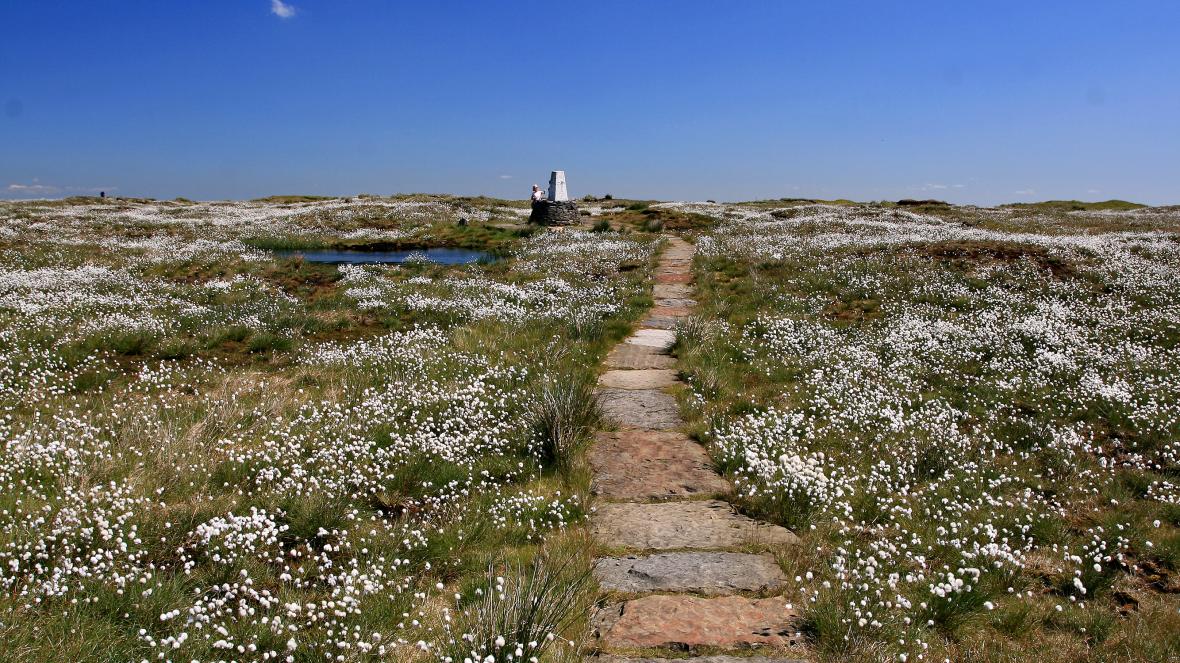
970, 102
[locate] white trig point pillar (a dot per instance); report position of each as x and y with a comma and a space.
557, 190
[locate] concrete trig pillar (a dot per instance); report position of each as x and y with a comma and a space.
557, 190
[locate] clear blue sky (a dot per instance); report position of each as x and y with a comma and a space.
970, 102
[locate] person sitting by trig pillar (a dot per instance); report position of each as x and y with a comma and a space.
553, 208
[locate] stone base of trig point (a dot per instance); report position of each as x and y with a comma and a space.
554, 213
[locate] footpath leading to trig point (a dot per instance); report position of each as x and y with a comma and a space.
684, 571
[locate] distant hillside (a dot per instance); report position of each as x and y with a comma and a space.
1077, 205
287, 199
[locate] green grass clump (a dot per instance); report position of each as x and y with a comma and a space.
565, 415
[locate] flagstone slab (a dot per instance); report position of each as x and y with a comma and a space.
667, 310
671, 291
648, 378
637, 357
609, 658
675, 302
648, 409
699, 525
673, 276
644, 465
711, 573
684, 622
659, 322
678, 248
697, 659
656, 338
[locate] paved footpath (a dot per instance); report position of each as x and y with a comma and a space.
687, 573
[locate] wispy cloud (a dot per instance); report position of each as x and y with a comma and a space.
34, 189
281, 9
1024, 192
931, 186
505, 177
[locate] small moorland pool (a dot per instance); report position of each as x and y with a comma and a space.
443, 256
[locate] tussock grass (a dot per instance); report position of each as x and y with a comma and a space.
565, 415
523, 610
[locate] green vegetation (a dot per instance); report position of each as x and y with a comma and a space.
286, 200
1077, 205
930, 403
645, 217
968, 415
315, 459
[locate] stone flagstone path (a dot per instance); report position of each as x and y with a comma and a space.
687, 572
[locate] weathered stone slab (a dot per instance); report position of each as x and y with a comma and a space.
659, 322
664, 309
647, 409
626, 355
641, 465
673, 276
704, 525
655, 338
649, 378
671, 291
684, 622
696, 659
678, 248
699, 572
675, 302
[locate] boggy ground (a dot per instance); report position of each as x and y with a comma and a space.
213, 454
968, 416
